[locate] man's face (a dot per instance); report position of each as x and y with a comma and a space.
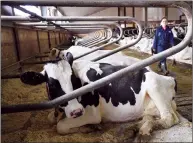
164, 22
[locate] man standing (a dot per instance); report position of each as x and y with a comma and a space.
162, 41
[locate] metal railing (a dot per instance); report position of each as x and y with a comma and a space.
106, 80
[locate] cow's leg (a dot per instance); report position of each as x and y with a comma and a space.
71, 125
51, 118
145, 129
161, 91
55, 115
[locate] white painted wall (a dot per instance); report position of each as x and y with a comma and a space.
154, 14
174, 13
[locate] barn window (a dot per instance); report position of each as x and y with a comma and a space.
34, 9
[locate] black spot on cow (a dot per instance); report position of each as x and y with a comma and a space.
119, 91
90, 98
54, 88
175, 87
144, 78
144, 71
76, 83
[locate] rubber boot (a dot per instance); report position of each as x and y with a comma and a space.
159, 67
164, 69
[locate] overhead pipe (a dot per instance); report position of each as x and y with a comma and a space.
35, 15
106, 80
91, 3
106, 18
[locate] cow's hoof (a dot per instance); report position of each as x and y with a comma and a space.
186, 124
95, 127
51, 118
146, 129
142, 138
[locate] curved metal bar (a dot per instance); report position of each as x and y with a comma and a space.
120, 36
106, 80
125, 46
107, 44
107, 38
99, 35
90, 40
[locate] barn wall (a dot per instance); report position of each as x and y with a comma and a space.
30, 43
107, 12
8, 55
44, 42
153, 13
174, 14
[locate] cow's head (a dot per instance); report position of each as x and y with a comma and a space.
59, 79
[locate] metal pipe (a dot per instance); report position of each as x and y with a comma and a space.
123, 47
41, 56
17, 63
106, 38
106, 80
91, 3
91, 39
10, 76
102, 35
13, 70
73, 27
107, 44
70, 18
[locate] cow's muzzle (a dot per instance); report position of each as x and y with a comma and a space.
76, 113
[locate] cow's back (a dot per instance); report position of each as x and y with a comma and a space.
122, 99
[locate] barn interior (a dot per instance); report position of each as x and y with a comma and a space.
30, 29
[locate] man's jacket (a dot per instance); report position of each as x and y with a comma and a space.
163, 39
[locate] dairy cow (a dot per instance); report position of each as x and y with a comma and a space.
134, 95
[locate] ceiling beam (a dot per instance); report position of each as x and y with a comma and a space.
60, 10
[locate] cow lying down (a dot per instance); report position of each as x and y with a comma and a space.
143, 93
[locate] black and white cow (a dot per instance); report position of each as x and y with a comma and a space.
134, 95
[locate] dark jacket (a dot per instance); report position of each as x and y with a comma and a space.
163, 39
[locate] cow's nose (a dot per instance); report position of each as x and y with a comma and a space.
76, 113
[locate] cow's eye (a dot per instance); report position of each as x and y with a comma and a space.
61, 110
173, 98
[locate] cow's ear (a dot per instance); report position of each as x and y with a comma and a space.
69, 58
54, 53
32, 78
